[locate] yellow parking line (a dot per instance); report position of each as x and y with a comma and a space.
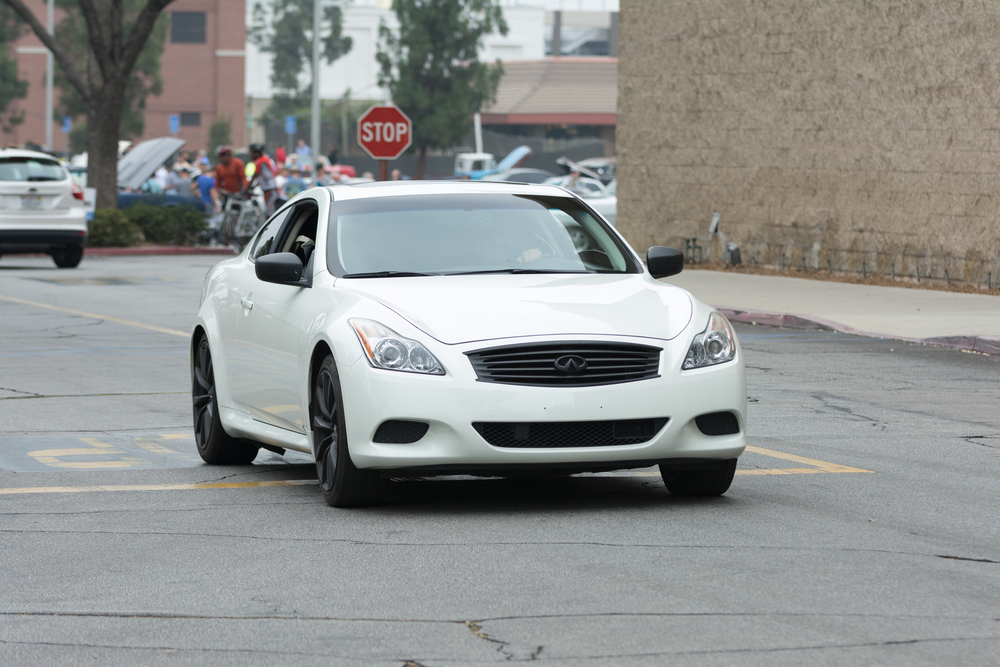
827, 467
157, 487
131, 323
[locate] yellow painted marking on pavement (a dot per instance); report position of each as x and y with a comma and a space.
815, 466
109, 318
177, 436
53, 457
151, 445
157, 487
814, 463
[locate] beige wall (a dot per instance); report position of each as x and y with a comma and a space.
838, 132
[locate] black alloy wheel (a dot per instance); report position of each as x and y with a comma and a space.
700, 482
214, 444
340, 481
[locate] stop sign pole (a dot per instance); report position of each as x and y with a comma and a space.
384, 132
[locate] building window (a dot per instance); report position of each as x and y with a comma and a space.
190, 119
187, 27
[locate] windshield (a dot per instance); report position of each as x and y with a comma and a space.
30, 169
470, 233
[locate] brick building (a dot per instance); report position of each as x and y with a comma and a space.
203, 75
860, 136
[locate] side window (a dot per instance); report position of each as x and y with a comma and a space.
265, 241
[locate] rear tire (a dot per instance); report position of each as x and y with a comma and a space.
68, 257
340, 481
699, 482
214, 444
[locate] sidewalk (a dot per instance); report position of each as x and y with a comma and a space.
967, 321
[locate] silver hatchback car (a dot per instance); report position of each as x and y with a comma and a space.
41, 208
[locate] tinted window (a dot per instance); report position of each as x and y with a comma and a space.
458, 234
266, 238
187, 27
30, 169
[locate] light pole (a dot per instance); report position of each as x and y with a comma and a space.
314, 138
49, 65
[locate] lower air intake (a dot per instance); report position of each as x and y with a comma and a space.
543, 435
718, 423
400, 432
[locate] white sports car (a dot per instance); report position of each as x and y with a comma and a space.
479, 328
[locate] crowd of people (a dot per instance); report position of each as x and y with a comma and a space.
279, 178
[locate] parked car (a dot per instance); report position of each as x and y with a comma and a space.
602, 167
417, 328
136, 167
521, 175
41, 208
598, 196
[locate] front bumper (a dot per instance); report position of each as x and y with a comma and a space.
450, 405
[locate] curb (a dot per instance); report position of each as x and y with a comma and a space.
981, 344
157, 250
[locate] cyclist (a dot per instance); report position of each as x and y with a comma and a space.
264, 175
229, 177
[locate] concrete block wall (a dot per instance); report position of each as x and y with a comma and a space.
848, 135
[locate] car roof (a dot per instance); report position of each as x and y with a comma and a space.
17, 152
402, 188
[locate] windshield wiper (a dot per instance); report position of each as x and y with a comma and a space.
388, 274
515, 271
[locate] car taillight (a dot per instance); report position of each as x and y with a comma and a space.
77, 192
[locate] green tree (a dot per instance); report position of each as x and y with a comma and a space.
283, 28
11, 87
220, 132
117, 32
432, 67
146, 79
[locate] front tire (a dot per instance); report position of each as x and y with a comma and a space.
68, 257
340, 481
214, 444
699, 482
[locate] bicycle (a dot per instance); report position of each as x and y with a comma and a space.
241, 218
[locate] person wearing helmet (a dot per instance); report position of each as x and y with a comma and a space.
229, 177
264, 175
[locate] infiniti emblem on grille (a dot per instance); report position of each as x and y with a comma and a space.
570, 364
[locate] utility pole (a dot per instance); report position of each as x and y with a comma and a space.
49, 69
317, 16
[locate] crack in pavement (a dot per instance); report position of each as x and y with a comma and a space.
28, 394
477, 630
137, 393
571, 543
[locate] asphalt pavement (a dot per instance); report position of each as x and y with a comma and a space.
859, 528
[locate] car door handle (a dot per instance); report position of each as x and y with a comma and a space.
247, 303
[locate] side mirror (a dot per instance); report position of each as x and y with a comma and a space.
283, 268
662, 261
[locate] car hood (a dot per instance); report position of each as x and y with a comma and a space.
142, 161
463, 309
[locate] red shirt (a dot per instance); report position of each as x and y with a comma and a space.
232, 178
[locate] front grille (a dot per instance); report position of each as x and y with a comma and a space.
718, 423
566, 364
539, 435
400, 432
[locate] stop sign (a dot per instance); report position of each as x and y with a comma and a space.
384, 132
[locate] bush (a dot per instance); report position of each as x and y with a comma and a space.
168, 225
111, 228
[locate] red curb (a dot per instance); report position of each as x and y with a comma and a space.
157, 250
983, 344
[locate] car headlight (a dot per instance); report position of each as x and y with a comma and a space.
387, 349
715, 345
